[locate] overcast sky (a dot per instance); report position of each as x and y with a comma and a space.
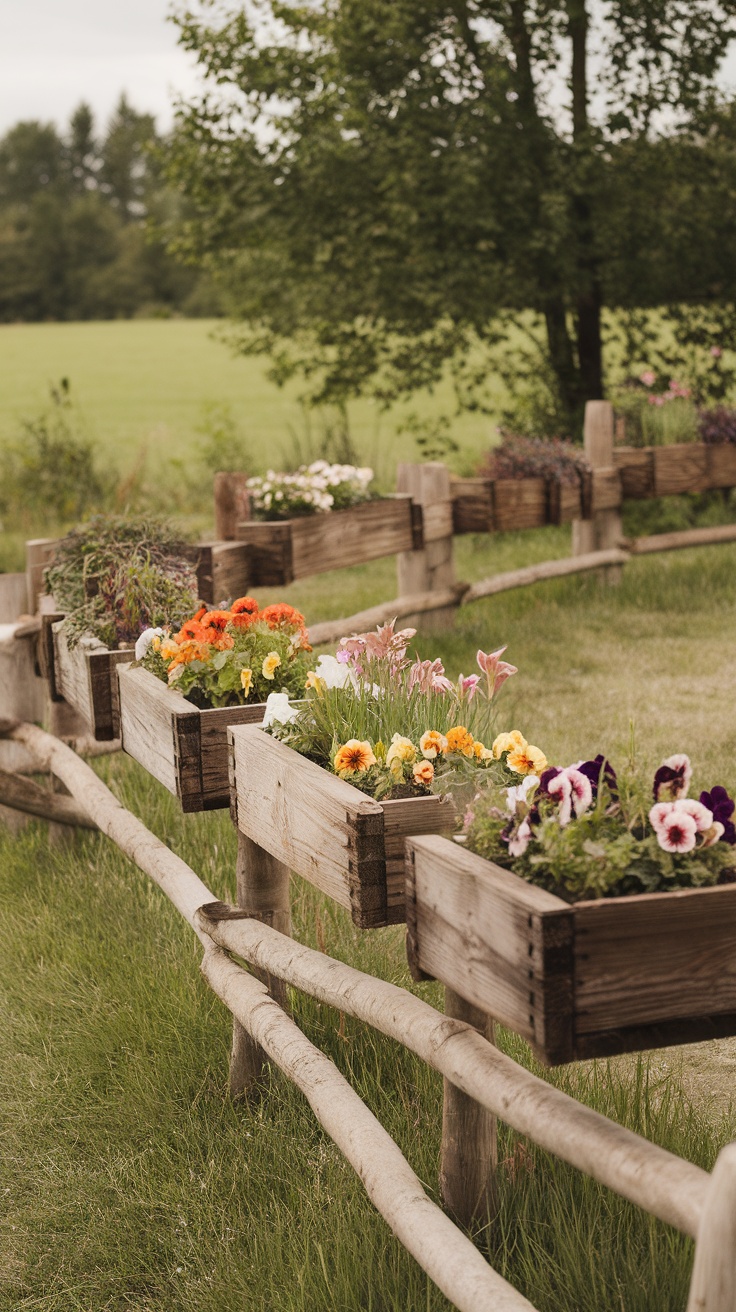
55, 53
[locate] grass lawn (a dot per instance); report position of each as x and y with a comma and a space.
150, 384
129, 1181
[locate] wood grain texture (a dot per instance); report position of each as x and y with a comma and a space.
313, 544
22, 692
472, 505
635, 466
232, 503
688, 537
429, 567
13, 597
85, 676
519, 503
502, 944
721, 465
185, 748
713, 1283
223, 571
345, 843
606, 489
468, 1156
680, 468
39, 553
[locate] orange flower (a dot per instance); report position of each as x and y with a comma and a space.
423, 773
244, 612
459, 740
432, 743
222, 641
354, 757
216, 619
282, 616
191, 631
190, 651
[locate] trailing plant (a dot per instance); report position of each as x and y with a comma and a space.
397, 728
585, 832
311, 490
534, 457
117, 575
230, 657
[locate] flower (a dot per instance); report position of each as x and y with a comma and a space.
270, 664
526, 759
519, 842
701, 815
495, 670
648, 378
716, 352
593, 770
168, 648
429, 676
246, 680
559, 788
659, 813
506, 742
333, 672
423, 773
354, 757
216, 619
581, 791
467, 686
713, 834
722, 806
672, 779
400, 750
279, 709
518, 792
314, 681
460, 739
244, 606
677, 832
282, 616
145, 640
432, 743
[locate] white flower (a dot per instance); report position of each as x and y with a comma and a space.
519, 791
279, 709
335, 673
520, 841
145, 640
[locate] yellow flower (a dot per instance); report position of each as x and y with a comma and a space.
481, 752
401, 750
314, 681
354, 757
156, 643
506, 742
432, 743
246, 679
423, 773
168, 648
460, 740
526, 760
270, 664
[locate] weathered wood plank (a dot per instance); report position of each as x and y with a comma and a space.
682, 539
680, 468
313, 544
502, 944
223, 572
654, 957
721, 463
635, 466
13, 597
39, 553
472, 505
147, 708
519, 503
85, 677
403, 817
606, 490
22, 692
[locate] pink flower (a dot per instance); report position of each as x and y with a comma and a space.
658, 814
672, 779
581, 792
677, 832
495, 670
520, 841
700, 814
678, 389
713, 834
648, 378
716, 352
467, 686
656, 400
560, 789
429, 676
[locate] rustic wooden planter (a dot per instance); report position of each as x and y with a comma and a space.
721, 460
348, 845
591, 979
679, 469
486, 505
312, 544
84, 676
182, 746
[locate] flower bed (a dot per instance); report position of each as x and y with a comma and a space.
177, 704
334, 787
551, 927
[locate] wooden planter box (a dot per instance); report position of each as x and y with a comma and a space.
592, 979
348, 845
312, 544
680, 469
84, 676
721, 465
182, 746
636, 470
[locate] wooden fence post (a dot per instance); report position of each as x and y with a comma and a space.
262, 891
713, 1284
232, 504
603, 530
39, 554
468, 1160
431, 568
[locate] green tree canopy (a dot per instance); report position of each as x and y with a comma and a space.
384, 180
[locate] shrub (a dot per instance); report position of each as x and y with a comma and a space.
534, 457
717, 425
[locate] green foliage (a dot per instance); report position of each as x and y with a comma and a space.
52, 469
118, 575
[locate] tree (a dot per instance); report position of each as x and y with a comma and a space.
385, 180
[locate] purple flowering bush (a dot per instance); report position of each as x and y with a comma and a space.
583, 832
534, 457
717, 425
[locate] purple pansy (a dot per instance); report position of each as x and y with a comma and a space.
593, 770
672, 778
722, 806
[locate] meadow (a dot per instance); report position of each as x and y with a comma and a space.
129, 1181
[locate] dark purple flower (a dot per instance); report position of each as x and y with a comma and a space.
593, 770
722, 806
672, 778
545, 779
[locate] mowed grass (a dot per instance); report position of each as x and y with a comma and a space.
151, 385
130, 1181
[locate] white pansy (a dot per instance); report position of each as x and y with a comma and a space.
518, 793
145, 640
335, 673
279, 709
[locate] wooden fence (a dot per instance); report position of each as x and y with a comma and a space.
480, 1082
